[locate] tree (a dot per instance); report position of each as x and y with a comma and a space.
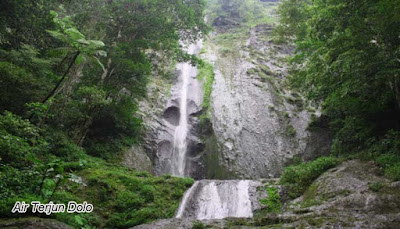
81, 48
347, 56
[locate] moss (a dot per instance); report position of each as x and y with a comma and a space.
286, 115
310, 110
266, 70
271, 108
169, 86
237, 222
211, 159
375, 187
297, 101
310, 197
290, 131
316, 221
206, 74
198, 225
299, 177
125, 198
393, 172
252, 71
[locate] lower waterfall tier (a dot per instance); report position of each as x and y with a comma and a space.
218, 199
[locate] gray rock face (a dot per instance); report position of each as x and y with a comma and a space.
137, 159
161, 117
33, 223
260, 125
351, 195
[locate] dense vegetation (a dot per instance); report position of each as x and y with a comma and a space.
71, 75
347, 60
297, 178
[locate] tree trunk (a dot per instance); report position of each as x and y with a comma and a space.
397, 91
62, 78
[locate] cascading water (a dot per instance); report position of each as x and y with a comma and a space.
206, 199
181, 132
216, 199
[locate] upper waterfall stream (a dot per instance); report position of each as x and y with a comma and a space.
206, 199
178, 163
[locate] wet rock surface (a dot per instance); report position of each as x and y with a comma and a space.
259, 122
161, 116
33, 223
136, 158
352, 195
218, 199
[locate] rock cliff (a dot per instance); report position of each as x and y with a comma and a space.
352, 195
260, 124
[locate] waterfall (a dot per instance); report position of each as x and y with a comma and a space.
181, 132
206, 199
216, 199
188, 194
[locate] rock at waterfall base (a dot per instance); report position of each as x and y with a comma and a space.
343, 197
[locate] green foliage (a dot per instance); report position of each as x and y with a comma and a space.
19, 139
299, 177
350, 64
135, 198
375, 186
18, 86
25, 22
385, 152
206, 74
73, 81
273, 201
393, 172
387, 160
290, 131
249, 13
198, 225
122, 198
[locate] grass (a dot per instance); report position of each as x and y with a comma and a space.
299, 177
121, 197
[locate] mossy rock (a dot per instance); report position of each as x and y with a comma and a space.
33, 223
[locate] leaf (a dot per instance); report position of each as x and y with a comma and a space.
96, 60
101, 53
79, 220
62, 51
58, 35
74, 34
95, 44
83, 41
80, 59
53, 13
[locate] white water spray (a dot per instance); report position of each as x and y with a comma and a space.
216, 199
181, 132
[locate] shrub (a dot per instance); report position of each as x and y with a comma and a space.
198, 225
387, 160
298, 177
18, 139
375, 186
393, 172
386, 153
273, 201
